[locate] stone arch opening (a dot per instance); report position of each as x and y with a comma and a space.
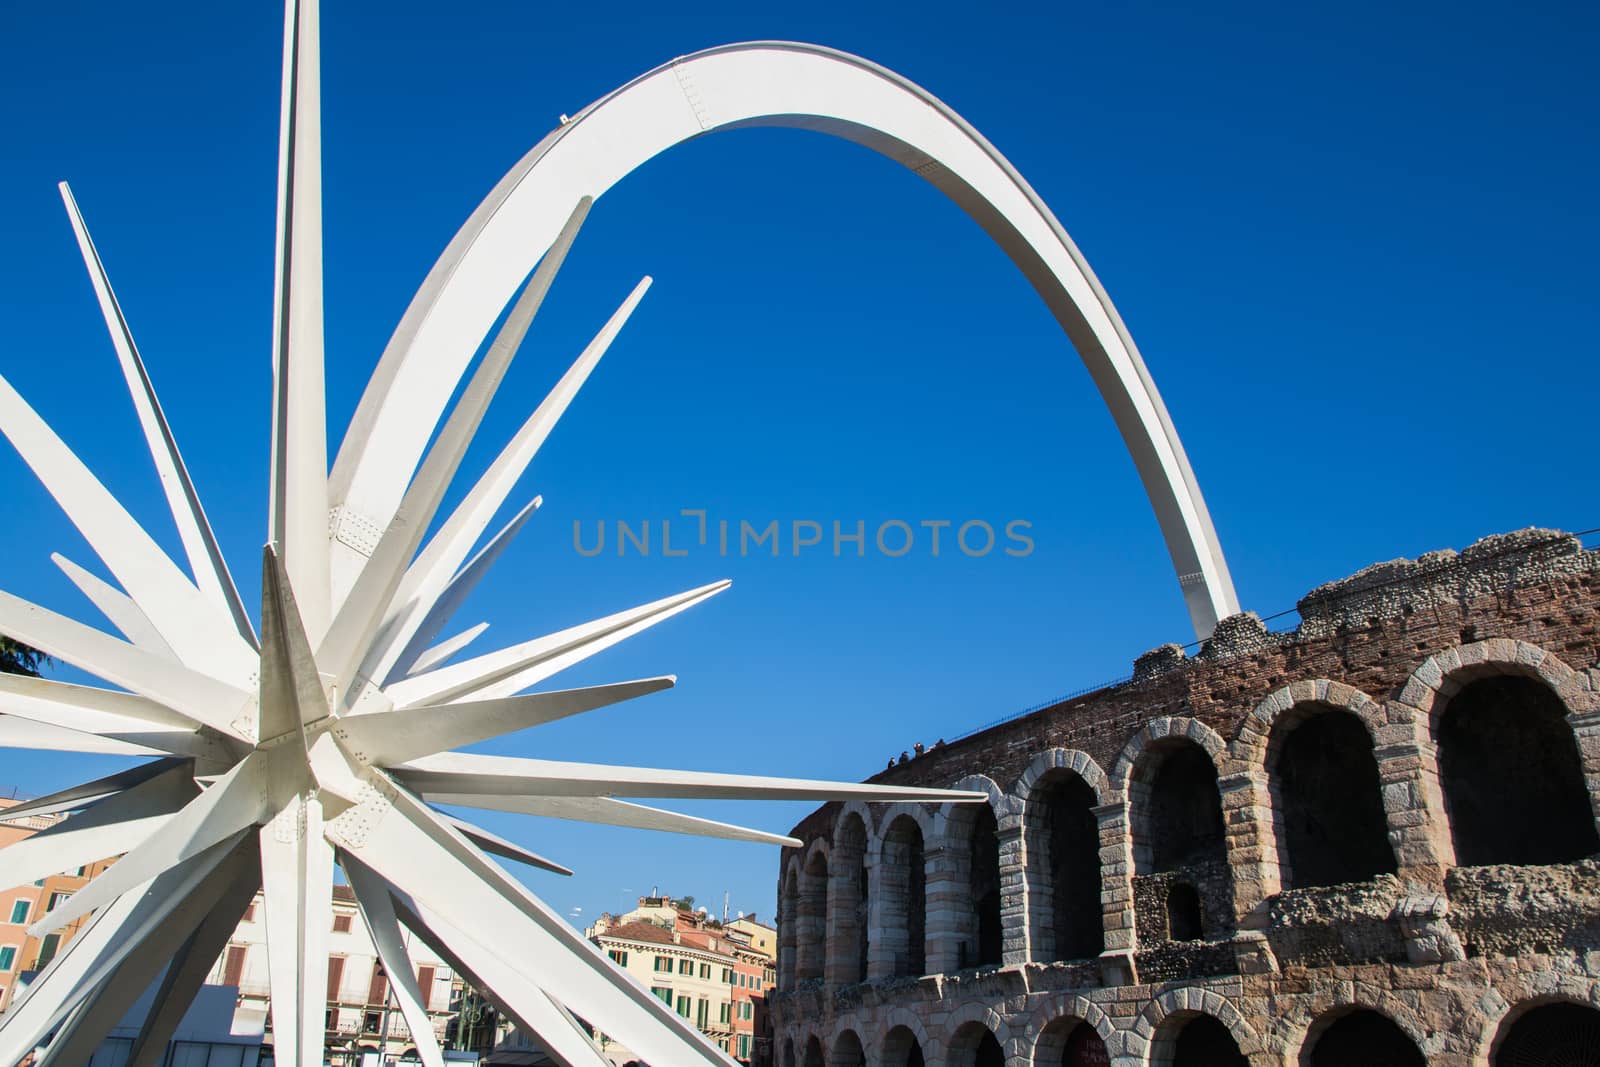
810, 933
1178, 839
1364, 1037
903, 885
1064, 868
847, 1051
1184, 920
983, 884
1551, 1035
788, 1052
788, 901
847, 904
814, 1056
974, 1045
1194, 1040
1327, 800
1070, 1042
1511, 776
901, 1048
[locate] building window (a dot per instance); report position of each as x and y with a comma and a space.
19, 911
744, 1046
341, 924
686, 967
233, 968
702, 1014
425, 985
727, 975
683, 1006
250, 913
372, 1022
722, 1012
83, 871
57, 899
747, 1009
8, 956
620, 957
705, 970
663, 964
665, 995
47, 951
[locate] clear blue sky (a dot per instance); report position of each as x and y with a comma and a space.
1354, 243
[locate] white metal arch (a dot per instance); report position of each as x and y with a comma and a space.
759, 84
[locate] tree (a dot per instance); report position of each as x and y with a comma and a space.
18, 658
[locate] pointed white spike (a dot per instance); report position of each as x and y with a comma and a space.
223, 812
117, 607
291, 689
467, 772
24, 733
53, 722
186, 620
133, 923
105, 829
439, 561
368, 602
611, 812
209, 569
298, 522
370, 477
47, 700
377, 909
496, 845
541, 657
390, 737
535, 1012
78, 1039
196, 696
441, 652
297, 878
493, 976
450, 600
408, 844
81, 796
192, 964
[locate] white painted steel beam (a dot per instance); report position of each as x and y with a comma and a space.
767, 84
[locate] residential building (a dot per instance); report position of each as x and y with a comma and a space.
691, 971
715, 975
362, 1015
23, 905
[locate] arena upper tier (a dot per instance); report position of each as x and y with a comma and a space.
1371, 841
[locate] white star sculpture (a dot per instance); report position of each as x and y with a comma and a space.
328, 738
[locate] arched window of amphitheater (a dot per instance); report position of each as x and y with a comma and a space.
1511, 776
788, 902
1063, 850
983, 886
1559, 1033
847, 1051
903, 884
901, 1048
1327, 802
810, 932
847, 904
1361, 1036
1070, 1042
1193, 1040
974, 1045
1178, 838
814, 1057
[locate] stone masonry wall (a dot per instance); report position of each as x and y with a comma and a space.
1452, 955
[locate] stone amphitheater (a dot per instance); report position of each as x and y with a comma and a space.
1370, 841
